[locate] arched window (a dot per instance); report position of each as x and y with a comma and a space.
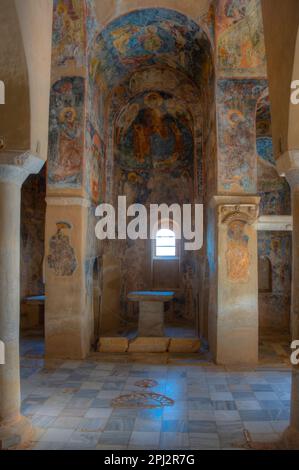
165, 244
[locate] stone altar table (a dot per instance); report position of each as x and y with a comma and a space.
151, 311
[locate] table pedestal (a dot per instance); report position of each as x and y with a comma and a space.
151, 319
151, 311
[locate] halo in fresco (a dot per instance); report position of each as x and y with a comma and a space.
155, 132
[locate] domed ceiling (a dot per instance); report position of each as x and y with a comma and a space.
150, 37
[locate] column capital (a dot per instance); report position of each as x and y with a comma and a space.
235, 200
68, 201
288, 166
247, 213
17, 165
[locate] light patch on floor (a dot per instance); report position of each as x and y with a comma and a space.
69, 402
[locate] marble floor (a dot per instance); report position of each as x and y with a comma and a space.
69, 402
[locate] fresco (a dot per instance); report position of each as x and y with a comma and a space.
155, 132
273, 190
263, 117
155, 150
94, 123
68, 43
66, 140
95, 155
274, 307
33, 213
155, 163
264, 147
149, 37
240, 39
237, 254
236, 133
277, 246
207, 20
62, 257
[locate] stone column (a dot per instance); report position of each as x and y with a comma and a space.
14, 169
233, 330
293, 179
288, 166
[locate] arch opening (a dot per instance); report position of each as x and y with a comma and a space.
155, 90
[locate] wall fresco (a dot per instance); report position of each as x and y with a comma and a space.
66, 139
263, 116
154, 163
274, 306
273, 190
94, 132
236, 134
68, 33
95, 155
240, 39
155, 150
237, 253
155, 132
33, 211
62, 258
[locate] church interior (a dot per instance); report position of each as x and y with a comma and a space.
140, 344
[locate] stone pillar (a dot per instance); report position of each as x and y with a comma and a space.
293, 179
235, 324
288, 166
69, 283
151, 319
14, 169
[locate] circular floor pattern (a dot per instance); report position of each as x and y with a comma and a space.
142, 400
146, 383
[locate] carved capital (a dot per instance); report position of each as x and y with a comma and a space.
247, 213
68, 201
16, 166
288, 166
292, 177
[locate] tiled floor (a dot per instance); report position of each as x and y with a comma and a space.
70, 402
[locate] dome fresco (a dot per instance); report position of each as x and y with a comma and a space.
150, 37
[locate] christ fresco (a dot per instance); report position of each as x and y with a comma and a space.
157, 135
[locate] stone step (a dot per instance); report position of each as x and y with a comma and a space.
118, 344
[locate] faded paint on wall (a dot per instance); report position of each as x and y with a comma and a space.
240, 39
237, 161
66, 136
274, 306
237, 253
33, 212
68, 33
62, 258
149, 37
